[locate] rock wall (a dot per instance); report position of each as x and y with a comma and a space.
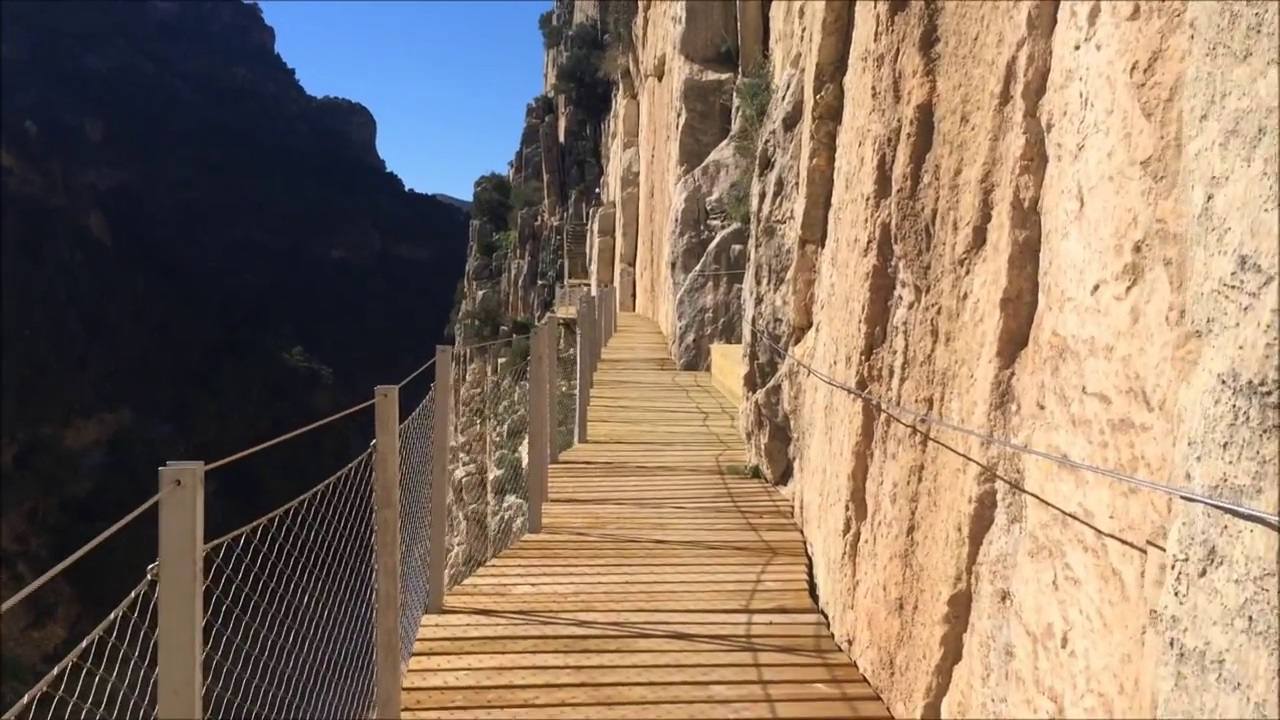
1052, 223
687, 67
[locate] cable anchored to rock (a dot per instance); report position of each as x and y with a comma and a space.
916, 416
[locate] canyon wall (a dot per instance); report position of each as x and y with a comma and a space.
195, 255
1054, 224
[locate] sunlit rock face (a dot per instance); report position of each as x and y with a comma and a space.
1050, 223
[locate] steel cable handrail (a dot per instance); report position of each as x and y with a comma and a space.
97, 540
917, 416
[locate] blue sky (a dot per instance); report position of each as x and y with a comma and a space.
446, 81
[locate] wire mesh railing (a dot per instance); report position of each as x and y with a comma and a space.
416, 445
567, 297
493, 461
289, 608
110, 674
288, 603
564, 412
508, 440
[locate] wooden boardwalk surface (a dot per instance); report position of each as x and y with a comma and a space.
664, 584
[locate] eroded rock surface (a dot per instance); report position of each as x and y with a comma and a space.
1044, 253
1052, 223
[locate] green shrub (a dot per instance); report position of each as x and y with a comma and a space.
521, 326
543, 105
585, 36
504, 241
580, 77
487, 245
491, 200
527, 195
552, 32
479, 326
753, 92
737, 201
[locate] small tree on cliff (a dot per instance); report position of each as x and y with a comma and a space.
491, 200
580, 76
552, 32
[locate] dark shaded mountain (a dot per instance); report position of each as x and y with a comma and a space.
197, 255
465, 205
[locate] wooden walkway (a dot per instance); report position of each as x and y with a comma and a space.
664, 584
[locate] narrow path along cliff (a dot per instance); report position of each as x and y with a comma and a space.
664, 584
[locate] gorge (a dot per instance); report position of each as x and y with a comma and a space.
197, 255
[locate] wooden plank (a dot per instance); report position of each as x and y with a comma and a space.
691, 643
706, 573
649, 587
516, 661
596, 694
746, 601
704, 552
642, 559
515, 616
585, 676
542, 628
711, 710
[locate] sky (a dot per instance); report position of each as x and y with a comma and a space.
446, 81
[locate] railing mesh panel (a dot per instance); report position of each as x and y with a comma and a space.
110, 674
289, 604
494, 450
415, 513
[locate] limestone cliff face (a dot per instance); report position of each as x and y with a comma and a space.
1052, 223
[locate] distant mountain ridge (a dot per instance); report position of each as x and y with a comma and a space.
456, 202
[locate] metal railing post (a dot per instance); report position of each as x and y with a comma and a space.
180, 592
386, 503
611, 313
602, 312
585, 351
597, 311
538, 435
604, 317
438, 524
552, 350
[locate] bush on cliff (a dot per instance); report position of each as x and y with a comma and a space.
545, 106
753, 92
526, 195
491, 201
552, 32
580, 77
